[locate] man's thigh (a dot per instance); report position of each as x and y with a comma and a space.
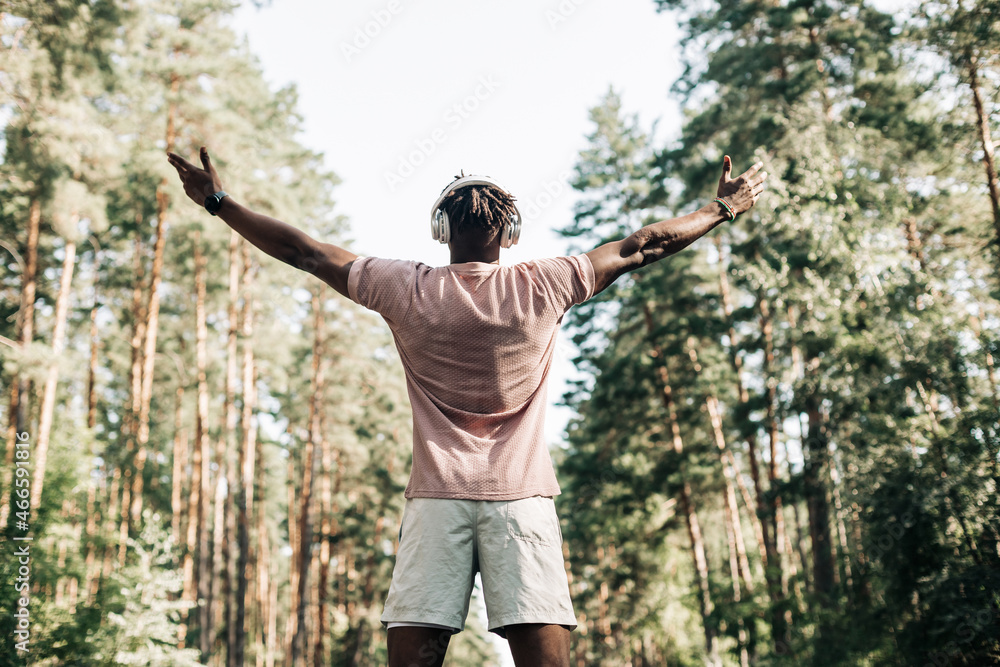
539, 645
412, 645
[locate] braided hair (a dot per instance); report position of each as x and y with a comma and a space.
483, 207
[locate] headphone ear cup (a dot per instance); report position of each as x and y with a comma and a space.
511, 232
440, 227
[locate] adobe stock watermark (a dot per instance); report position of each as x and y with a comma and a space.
562, 12
435, 647
365, 34
967, 630
552, 189
20, 540
453, 118
886, 541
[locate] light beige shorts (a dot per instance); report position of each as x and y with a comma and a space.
516, 545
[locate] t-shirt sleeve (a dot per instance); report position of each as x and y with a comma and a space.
566, 280
383, 285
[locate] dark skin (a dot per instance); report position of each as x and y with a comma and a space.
531, 644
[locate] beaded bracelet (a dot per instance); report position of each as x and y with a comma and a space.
729, 208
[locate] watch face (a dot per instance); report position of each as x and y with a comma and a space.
214, 202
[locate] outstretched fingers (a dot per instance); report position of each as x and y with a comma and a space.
749, 173
179, 163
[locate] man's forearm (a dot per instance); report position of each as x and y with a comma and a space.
662, 239
652, 242
278, 239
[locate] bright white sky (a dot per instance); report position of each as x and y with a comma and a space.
522, 82
501, 89
493, 88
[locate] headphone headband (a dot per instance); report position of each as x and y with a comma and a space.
466, 181
439, 219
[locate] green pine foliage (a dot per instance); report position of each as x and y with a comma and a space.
859, 288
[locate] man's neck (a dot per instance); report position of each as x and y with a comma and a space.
487, 255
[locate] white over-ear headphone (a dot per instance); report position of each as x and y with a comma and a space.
441, 228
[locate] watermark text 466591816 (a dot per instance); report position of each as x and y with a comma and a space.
20, 543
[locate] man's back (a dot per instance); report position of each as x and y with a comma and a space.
476, 341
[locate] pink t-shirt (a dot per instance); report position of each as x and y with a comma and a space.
476, 341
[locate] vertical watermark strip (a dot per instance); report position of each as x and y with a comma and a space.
21, 539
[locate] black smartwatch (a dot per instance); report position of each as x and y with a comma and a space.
214, 202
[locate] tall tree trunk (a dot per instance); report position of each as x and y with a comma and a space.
108, 561
758, 510
845, 550
272, 626
95, 343
266, 638
180, 464
20, 388
986, 141
178, 504
200, 461
777, 577
864, 588
293, 569
131, 413
193, 522
734, 575
153, 312
223, 554
93, 519
817, 454
732, 506
698, 554
246, 464
369, 587
219, 589
311, 622
739, 564
991, 373
729, 474
798, 553
326, 531
769, 557
52, 376
800, 547
308, 467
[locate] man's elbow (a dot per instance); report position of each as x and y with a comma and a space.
641, 249
304, 261
306, 257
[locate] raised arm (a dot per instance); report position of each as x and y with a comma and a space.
661, 239
328, 262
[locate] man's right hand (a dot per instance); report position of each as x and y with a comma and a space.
198, 183
741, 192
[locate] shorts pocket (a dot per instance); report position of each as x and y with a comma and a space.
534, 520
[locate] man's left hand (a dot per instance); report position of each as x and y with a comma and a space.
198, 183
